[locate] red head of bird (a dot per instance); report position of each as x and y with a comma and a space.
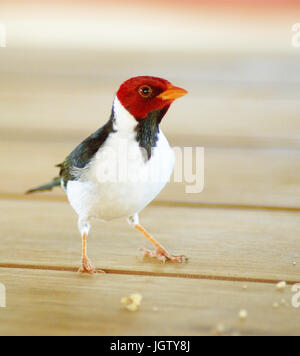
145, 94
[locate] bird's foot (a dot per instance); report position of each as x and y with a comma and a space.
163, 256
87, 267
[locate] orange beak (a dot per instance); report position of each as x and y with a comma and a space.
172, 93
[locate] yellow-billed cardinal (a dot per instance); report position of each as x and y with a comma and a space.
138, 108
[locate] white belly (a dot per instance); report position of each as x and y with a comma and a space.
111, 189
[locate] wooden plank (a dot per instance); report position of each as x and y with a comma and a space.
62, 303
232, 176
221, 243
76, 98
74, 112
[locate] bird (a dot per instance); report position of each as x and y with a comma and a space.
119, 169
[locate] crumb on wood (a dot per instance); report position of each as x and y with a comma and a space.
284, 302
132, 302
243, 314
281, 286
219, 330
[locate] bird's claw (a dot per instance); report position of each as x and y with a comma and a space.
87, 267
163, 256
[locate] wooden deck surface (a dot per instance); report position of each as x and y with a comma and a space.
242, 233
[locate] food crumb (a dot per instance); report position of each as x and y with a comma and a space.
155, 309
132, 302
275, 305
281, 286
243, 314
245, 287
284, 302
219, 330
294, 263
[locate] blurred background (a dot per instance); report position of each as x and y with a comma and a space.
64, 61
62, 64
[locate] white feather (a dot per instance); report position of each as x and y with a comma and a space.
92, 197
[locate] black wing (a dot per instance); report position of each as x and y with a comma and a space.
85, 151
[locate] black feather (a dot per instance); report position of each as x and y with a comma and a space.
85, 151
79, 157
148, 129
49, 186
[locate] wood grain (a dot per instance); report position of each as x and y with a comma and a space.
59, 91
62, 303
221, 243
242, 229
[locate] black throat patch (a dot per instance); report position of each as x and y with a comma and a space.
147, 130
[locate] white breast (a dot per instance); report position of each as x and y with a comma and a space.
119, 181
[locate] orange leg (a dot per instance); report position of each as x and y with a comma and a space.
160, 252
86, 265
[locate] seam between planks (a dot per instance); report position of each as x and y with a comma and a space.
147, 273
12, 196
63, 199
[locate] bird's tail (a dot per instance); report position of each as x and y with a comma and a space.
48, 186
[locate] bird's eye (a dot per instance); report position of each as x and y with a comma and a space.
145, 91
